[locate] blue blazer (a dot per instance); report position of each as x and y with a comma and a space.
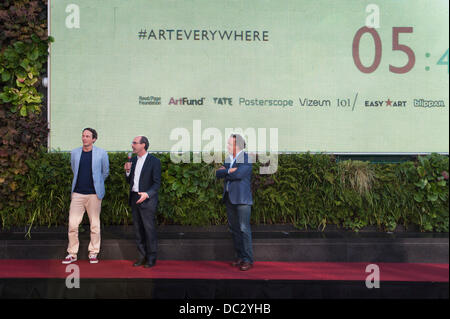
100, 168
239, 186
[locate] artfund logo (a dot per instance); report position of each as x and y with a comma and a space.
186, 101
258, 147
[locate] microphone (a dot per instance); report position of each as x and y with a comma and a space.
128, 166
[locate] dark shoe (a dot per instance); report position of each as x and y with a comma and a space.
245, 266
236, 263
150, 264
140, 262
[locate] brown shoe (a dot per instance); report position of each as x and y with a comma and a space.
236, 263
245, 266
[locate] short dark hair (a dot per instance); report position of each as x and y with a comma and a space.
94, 132
239, 140
145, 141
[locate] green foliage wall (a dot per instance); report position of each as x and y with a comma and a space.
23, 123
308, 191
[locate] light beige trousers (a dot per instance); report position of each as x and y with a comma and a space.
79, 204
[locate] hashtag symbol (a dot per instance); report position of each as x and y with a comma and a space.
142, 34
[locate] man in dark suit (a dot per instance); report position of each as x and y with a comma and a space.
237, 196
144, 176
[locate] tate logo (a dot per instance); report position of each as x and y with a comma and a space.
223, 100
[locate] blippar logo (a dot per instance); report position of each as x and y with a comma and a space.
186, 101
428, 103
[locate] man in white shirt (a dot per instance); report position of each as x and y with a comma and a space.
143, 173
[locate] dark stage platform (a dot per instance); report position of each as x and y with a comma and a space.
194, 263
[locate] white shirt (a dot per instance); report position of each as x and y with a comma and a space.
137, 172
233, 160
231, 165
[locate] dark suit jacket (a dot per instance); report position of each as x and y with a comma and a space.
150, 179
239, 188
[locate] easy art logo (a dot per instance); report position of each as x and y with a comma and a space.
386, 103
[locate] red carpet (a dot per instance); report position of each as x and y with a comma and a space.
172, 269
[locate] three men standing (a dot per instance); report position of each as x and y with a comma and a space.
90, 167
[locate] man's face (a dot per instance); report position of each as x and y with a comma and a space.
87, 139
230, 145
137, 145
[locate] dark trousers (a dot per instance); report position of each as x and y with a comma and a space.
239, 225
144, 221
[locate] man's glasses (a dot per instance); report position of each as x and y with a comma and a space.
134, 143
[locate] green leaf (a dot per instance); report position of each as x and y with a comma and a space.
432, 197
32, 82
35, 38
10, 54
421, 169
6, 76
34, 54
32, 108
24, 64
19, 47
5, 98
422, 183
23, 111
418, 198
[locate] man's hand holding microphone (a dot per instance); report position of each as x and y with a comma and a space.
127, 167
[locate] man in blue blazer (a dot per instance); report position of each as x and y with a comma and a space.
237, 196
90, 167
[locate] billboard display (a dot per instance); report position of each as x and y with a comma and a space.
344, 76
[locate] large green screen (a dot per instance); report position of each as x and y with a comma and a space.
346, 76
